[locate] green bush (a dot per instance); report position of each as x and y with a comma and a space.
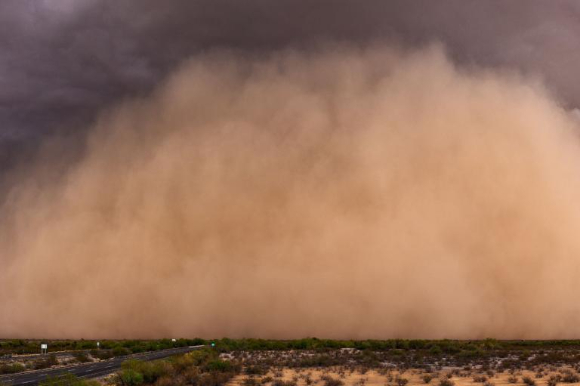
121, 351
182, 363
129, 377
150, 371
219, 365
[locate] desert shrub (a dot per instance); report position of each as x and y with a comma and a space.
46, 362
402, 381
166, 381
446, 382
554, 380
528, 381
435, 350
149, 371
11, 368
255, 370
214, 378
190, 375
152, 371
570, 377
120, 351
488, 383
267, 380
479, 379
182, 363
361, 382
329, 381
102, 354
81, 356
334, 382
513, 379
218, 365
129, 377
427, 378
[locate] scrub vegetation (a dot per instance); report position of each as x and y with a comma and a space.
320, 362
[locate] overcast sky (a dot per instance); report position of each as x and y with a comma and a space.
61, 61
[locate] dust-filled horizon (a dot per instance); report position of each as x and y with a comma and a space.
346, 192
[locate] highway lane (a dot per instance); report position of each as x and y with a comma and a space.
90, 370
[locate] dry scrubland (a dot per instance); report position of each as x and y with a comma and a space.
351, 367
312, 362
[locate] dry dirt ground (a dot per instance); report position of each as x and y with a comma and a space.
388, 378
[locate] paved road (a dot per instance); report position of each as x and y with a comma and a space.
90, 370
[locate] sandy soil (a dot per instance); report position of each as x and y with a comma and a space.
374, 378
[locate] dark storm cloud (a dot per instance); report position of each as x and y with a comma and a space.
61, 61
287, 193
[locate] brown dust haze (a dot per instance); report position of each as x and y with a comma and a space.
350, 193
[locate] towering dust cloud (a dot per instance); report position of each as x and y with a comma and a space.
352, 193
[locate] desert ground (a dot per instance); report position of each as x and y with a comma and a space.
313, 362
